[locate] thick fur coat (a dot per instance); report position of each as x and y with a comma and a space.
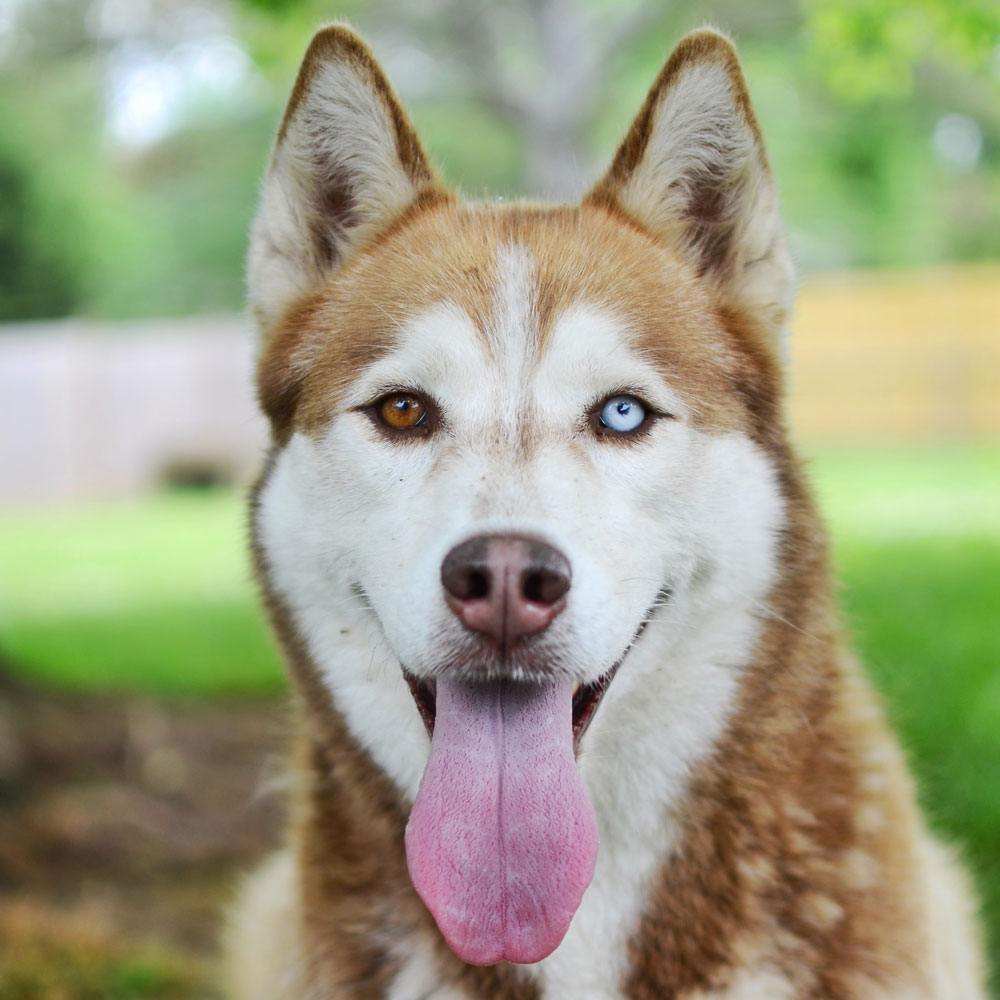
602, 382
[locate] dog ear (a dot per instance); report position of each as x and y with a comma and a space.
346, 162
693, 172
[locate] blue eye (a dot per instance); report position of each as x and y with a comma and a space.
622, 414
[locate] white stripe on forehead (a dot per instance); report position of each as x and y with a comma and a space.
511, 332
512, 324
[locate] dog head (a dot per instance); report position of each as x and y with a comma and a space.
514, 444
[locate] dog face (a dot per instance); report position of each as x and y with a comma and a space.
518, 450
514, 438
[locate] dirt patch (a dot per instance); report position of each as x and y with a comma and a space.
124, 826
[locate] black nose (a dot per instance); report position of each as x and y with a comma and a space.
505, 587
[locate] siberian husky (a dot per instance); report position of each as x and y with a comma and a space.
574, 717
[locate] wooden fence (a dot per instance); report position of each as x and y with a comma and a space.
108, 410
897, 358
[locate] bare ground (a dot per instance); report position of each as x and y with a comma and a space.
124, 825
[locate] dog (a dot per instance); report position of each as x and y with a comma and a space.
573, 715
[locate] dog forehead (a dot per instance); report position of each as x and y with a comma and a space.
510, 290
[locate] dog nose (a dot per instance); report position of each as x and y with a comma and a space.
505, 586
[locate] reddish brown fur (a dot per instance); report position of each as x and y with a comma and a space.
794, 738
771, 863
771, 820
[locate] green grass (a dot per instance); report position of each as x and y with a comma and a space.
148, 596
156, 596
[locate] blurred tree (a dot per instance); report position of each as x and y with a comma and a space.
882, 115
40, 267
137, 131
871, 49
142, 130
540, 67
43, 228
907, 133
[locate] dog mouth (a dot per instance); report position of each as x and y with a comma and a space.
586, 700
502, 837
587, 697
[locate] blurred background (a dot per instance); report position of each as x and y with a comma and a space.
141, 709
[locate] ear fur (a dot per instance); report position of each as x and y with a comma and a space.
346, 162
693, 172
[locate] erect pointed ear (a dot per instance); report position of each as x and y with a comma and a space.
693, 172
345, 164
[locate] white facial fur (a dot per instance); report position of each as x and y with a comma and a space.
354, 528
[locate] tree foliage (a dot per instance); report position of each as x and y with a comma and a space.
39, 264
882, 118
871, 49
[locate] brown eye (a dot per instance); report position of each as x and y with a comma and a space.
402, 411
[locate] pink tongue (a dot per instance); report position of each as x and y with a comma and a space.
502, 839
